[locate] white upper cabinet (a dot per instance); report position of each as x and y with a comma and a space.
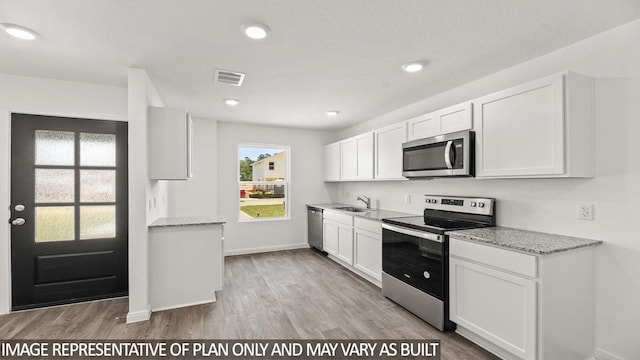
332, 162
388, 151
452, 119
422, 126
455, 118
543, 128
356, 157
170, 142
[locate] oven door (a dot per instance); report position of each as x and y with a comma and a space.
414, 257
443, 155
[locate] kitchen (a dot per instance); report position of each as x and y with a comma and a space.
610, 57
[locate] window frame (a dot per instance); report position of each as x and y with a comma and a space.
286, 182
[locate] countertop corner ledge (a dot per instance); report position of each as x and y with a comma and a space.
523, 240
186, 221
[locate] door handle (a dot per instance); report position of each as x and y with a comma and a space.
18, 222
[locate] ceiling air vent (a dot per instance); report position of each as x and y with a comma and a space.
229, 77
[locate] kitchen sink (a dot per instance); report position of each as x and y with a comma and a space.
350, 208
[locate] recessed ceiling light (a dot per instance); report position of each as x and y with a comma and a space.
231, 102
413, 66
256, 31
18, 31
332, 112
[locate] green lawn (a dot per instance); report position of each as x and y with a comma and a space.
263, 211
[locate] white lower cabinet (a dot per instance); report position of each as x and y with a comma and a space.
338, 235
330, 237
354, 243
523, 306
186, 265
497, 305
345, 244
368, 247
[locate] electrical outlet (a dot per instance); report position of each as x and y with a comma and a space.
584, 211
407, 199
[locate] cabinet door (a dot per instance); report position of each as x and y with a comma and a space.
330, 237
455, 118
365, 156
423, 126
170, 143
345, 244
368, 253
495, 305
332, 162
520, 131
388, 151
349, 159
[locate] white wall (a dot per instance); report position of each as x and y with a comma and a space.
143, 210
549, 205
198, 196
306, 186
46, 97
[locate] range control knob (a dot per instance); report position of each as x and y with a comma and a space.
481, 204
474, 204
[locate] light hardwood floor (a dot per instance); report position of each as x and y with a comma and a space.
296, 294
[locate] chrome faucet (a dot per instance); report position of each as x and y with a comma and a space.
365, 200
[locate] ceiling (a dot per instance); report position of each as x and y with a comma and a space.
321, 55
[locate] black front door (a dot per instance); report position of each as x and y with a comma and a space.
68, 210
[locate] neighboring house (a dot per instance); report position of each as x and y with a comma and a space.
270, 169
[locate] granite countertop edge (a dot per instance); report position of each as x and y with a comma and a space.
524, 240
185, 221
372, 214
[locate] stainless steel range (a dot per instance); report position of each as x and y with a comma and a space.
415, 254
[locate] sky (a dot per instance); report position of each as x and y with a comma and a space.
252, 152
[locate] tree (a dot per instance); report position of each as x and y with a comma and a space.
246, 171
263, 156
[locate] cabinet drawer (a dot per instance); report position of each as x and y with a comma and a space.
339, 218
516, 262
368, 225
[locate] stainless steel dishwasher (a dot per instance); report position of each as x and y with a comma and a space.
314, 227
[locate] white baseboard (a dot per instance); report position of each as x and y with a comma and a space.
266, 249
605, 355
138, 316
485, 344
162, 308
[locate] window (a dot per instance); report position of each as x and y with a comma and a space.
263, 182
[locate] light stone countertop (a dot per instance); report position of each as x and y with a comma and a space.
373, 214
523, 240
186, 221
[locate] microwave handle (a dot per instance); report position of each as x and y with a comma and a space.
447, 154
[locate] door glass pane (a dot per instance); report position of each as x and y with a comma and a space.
54, 147
97, 185
55, 223
54, 185
97, 149
97, 222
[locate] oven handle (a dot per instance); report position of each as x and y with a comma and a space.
420, 234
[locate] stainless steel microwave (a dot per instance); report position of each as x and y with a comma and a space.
438, 156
